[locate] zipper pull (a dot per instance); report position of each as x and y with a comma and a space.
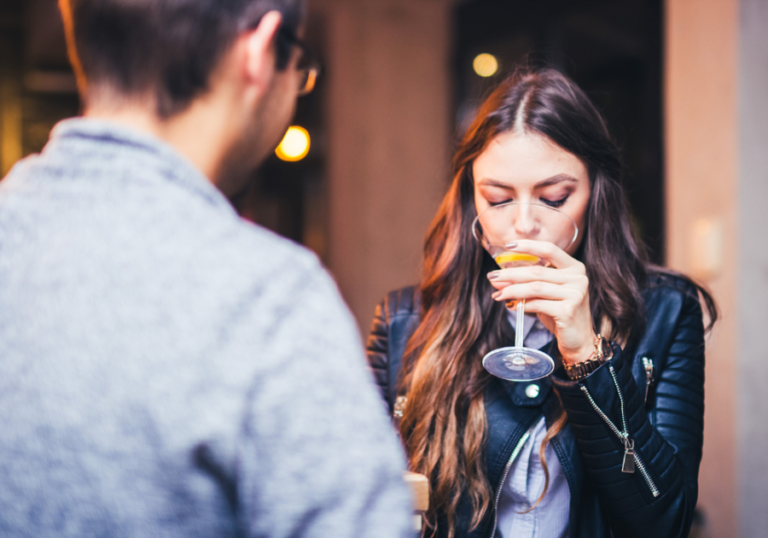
628, 466
648, 364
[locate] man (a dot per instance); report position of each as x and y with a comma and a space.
167, 369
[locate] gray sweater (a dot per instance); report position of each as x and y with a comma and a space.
167, 369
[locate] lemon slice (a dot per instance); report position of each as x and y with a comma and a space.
516, 258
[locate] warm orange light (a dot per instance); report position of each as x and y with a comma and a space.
485, 65
295, 144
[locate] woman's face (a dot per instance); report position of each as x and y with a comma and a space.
528, 167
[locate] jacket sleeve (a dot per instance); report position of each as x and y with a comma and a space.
377, 350
658, 499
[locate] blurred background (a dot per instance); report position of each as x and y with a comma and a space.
681, 83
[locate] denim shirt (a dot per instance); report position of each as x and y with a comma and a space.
525, 481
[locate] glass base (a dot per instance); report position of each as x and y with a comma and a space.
518, 363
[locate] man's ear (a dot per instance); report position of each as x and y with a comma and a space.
260, 50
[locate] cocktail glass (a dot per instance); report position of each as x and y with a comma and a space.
497, 227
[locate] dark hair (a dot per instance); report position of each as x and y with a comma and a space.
165, 47
444, 425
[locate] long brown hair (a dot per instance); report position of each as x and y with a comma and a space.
444, 424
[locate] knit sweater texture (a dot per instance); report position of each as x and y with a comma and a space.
170, 370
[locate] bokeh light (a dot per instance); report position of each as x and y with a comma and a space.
485, 65
295, 144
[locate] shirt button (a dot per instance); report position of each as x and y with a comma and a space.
532, 391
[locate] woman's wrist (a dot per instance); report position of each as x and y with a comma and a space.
581, 369
584, 353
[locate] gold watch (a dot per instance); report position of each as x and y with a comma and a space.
603, 352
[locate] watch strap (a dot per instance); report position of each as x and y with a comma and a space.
580, 370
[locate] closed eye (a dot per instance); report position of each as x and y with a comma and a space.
554, 203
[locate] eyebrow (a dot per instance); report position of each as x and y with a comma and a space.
559, 178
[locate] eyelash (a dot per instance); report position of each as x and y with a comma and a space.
550, 203
555, 203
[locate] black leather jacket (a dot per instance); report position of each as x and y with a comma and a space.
666, 424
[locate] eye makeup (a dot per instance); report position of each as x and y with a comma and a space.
555, 203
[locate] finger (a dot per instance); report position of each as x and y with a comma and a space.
544, 250
552, 309
533, 273
535, 290
501, 282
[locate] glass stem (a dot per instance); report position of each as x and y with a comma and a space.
520, 325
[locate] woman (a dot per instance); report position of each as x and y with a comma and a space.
610, 444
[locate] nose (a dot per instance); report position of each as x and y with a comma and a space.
526, 225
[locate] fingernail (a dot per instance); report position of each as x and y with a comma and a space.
512, 245
493, 275
496, 295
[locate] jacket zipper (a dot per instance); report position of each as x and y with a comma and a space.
631, 458
648, 365
512, 457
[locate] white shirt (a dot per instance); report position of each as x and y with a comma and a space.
525, 480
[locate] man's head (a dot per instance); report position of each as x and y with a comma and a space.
236, 57
163, 49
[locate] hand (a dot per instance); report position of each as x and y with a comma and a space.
559, 294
